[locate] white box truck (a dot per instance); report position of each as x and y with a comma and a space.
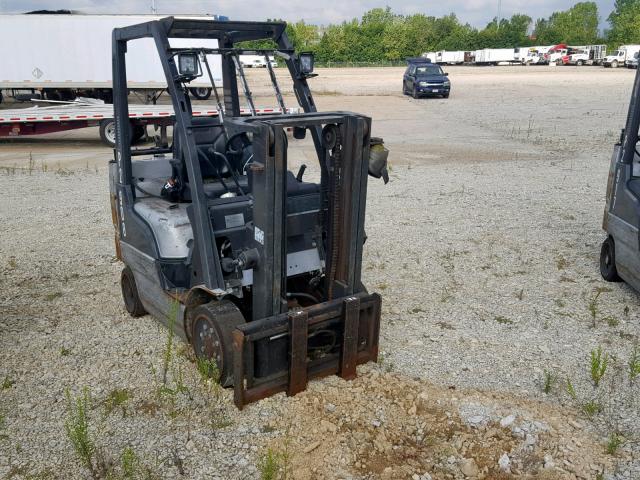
62, 56
495, 56
620, 56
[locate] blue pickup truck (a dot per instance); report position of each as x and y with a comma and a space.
424, 78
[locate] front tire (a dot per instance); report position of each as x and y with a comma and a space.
614, 64
608, 268
212, 325
414, 92
132, 301
579, 63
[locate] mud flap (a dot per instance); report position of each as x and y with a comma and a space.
282, 353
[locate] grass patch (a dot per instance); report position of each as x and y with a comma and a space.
7, 383
503, 320
614, 442
117, 398
65, 352
611, 321
49, 297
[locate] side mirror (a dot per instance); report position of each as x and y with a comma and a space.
446, 74
188, 64
378, 155
306, 62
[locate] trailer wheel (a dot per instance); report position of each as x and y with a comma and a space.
132, 301
211, 336
200, 93
108, 132
139, 132
608, 268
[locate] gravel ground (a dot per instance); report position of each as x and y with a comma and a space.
484, 246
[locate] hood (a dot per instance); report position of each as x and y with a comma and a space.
432, 78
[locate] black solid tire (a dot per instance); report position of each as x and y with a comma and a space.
608, 268
220, 319
200, 93
446, 95
132, 301
414, 93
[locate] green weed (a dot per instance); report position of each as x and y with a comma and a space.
77, 427
49, 297
614, 442
599, 364
270, 464
570, 389
549, 380
592, 408
634, 364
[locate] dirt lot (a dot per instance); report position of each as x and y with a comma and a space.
484, 246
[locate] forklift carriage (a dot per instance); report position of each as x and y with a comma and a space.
258, 269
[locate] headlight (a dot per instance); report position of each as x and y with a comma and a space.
423, 84
446, 83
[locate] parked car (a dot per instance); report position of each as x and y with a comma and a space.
633, 62
424, 78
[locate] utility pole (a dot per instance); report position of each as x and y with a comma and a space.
499, 9
154, 10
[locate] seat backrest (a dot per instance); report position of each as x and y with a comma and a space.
207, 132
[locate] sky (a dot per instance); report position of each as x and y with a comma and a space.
476, 12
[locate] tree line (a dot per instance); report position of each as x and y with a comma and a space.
382, 35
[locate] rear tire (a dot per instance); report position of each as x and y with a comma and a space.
212, 325
608, 268
132, 301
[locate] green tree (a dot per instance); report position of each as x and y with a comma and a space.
625, 22
578, 25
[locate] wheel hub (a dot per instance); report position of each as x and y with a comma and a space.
207, 342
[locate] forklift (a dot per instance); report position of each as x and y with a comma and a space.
257, 268
620, 251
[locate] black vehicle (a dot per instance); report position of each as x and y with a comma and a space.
423, 78
259, 269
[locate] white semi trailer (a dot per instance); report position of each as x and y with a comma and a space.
494, 56
62, 56
450, 58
